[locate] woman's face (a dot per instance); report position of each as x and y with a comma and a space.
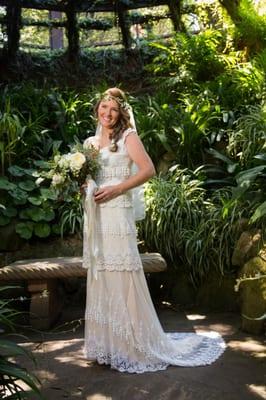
108, 113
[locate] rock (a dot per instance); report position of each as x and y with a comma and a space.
247, 246
253, 295
183, 292
217, 294
10, 240
165, 162
70, 246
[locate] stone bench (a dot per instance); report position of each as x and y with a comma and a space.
42, 277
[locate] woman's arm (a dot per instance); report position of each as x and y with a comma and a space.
146, 170
139, 156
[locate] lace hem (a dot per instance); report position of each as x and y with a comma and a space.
119, 263
120, 362
208, 353
123, 330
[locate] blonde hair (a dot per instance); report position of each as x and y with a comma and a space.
123, 121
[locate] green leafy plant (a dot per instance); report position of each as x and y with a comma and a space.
195, 57
12, 374
156, 119
30, 206
249, 136
187, 226
251, 27
71, 216
11, 131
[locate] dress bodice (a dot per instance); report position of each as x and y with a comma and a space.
115, 168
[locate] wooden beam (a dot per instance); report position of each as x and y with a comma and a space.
86, 5
89, 23
85, 23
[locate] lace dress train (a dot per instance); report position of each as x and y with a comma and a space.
121, 326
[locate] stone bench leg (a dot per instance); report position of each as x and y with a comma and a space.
46, 303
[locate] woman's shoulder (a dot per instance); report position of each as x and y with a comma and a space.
127, 132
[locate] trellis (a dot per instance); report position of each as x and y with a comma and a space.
71, 8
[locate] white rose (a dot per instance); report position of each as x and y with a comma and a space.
57, 179
76, 161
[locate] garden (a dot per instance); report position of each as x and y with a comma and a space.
196, 79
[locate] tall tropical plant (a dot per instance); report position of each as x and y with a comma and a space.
11, 131
13, 377
188, 226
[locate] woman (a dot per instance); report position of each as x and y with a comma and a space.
121, 325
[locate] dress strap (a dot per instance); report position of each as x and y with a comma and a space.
127, 132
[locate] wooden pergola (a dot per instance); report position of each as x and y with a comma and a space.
71, 8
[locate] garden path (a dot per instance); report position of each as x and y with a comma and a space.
238, 375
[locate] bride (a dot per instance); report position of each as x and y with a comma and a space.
121, 325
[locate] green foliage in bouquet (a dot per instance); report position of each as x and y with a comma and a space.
67, 172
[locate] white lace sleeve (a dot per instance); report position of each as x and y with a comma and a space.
128, 132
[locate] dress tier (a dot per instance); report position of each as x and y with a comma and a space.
121, 326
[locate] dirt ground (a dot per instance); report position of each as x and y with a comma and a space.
239, 374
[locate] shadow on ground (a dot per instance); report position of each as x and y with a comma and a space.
238, 375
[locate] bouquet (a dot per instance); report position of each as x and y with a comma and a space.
67, 172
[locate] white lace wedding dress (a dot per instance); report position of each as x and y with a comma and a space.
121, 325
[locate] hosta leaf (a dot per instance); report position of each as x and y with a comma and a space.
48, 194
15, 170
42, 164
36, 201
34, 213
10, 212
56, 229
42, 229
5, 184
48, 214
27, 185
25, 229
18, 194
4, 220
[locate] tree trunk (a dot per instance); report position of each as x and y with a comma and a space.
254, 41
72, 32
231, 7
175, 12
13, 29
124, 26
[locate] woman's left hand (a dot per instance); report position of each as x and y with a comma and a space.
106, 193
